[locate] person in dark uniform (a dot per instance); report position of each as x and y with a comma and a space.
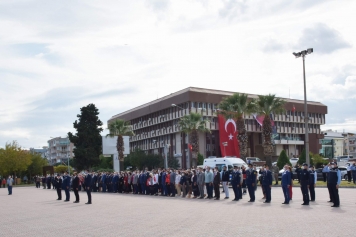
251, 175
216, 183
53, 182
66, 185
95, 182
334, 179
58, 184
87, 182
48, 180
235, 182
267, 183
304, 184
103, 182
286, 181
312, 182
75, 185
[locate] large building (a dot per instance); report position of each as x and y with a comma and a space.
42, 151
59, 150
337, 144
156, 124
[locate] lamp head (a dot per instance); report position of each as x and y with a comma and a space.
173, 105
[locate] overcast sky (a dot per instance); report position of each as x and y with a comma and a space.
57, 56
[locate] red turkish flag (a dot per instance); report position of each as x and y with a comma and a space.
293, 109
228, 134
190, 147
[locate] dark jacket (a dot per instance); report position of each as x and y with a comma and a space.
88, 180
75, 182
217, 179
225, 176
58, 182
267, 178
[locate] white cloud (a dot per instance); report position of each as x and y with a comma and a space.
56, 57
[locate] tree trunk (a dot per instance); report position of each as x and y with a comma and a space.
194, 142
242, 136
120, 151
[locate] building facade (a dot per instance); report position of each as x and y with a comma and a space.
155, 125
60, 150
42, 151
337, 144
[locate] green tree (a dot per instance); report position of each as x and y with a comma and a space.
317, 160
283, 159
62, 169
13, 159
192, 124
266, 105
235, 107
87, 140
37, 164
139, 160
173, 162
120, 128
200, 159
303, 157
105, 163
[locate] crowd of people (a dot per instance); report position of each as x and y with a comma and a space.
197, 183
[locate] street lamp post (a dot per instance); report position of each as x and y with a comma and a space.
166, 148
306, 117
225, 145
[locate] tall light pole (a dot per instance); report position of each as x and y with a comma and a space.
306, 117
166, 149
225, 145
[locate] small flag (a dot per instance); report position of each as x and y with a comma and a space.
293, 109
190, 147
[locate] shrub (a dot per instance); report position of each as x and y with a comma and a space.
283, 159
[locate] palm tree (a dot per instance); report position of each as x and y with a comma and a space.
266, 105
120, 128
235, 107
192, 124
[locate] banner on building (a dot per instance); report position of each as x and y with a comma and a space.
229, 144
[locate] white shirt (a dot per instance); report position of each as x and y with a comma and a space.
178, 176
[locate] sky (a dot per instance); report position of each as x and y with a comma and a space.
58, 56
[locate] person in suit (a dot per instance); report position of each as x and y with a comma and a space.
95, 183
182, 183
216, 183
201, 182
103, 182
115, 182
163, 182
134, 182
225, 178
48, 180
235, 182
66, 185
75, 184
251, 175
312, 182
267, 183
195, 184
172, 180
286, 179
304, 184
58, 182
87, 182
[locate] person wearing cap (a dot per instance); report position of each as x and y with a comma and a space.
286, 181
251, 175
312, 181
267, 183
66, 185
304, 184
236, 181
334, 179
87, 182
225, 177
58, 182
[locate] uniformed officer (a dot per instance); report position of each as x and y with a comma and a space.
267, 183
88, 182
235, 182
334, 179
66, 185
312, 181
225, 177
304, 183
286, 181
251, 175
58, 182
353, 172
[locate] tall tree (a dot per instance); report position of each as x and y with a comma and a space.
13, 159
283, 159
235, 107
120, 128
192, 124
266, 105
87, 139
37, 164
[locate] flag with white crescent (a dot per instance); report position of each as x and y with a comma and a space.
228, 136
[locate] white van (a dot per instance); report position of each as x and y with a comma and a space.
220, 162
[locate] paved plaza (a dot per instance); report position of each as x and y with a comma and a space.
36, 212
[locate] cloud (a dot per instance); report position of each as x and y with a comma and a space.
273, 46
233, 8
322, 38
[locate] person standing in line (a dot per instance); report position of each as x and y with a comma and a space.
134, 182
325, 172
3, 182
312, 182
163, 183
334, 179
267, 184
195, 184
251, 175
217, 181
209, 182
44, 182
244, 175
172, 181
275, 171
75, 184
189, 184
234, 183
48, 181
304, 184
348, 168
225, 178
178, 188
240, 181
201, 182
353, 171
66, 185
58, 181
262, 176
298, 171
285, 181
291, 183
88, 181
103, 182
10, 181
182, 183
328, 185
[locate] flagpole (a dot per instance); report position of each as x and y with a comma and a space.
295, 146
